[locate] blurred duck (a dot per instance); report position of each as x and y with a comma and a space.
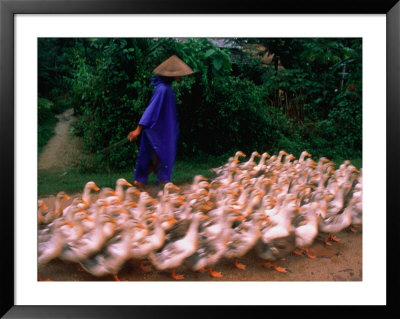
107, 192
87, 196
303, 155
276, 206
42, 207
153, 241
243, 237
119, 191
307, 229
52, 247
58, 209
278, 235
116, 251
173, 254
131, 196
76, 202
336, 223
199, 182
235, 159
356, 220
260, 167
356, 214
90, 242
280, 156
138, 211
211, 250
250, 163
74, 230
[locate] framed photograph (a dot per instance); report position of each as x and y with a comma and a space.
23, 23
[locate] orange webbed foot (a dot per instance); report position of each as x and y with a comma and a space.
239, 266
279, 269
326, 240
307, 251
214, 274
353, 229
298, 252
334, 238
201, 270
177, 277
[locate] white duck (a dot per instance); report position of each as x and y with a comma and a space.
307, 229
261, 167
232, 160
173, 254
153, 241
278, 235
211, 250
42, 207
139, 210
58, 210
356, 215
86, 195
199, 182
336, 204
74, 230
280, 155
303, 155
131, 196
356, 220
92, 241
107, 192
250, 163
119, 188
51, 248
243, 238
335, 223
213, 227
114, 253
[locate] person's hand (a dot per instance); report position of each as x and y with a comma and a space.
133, 135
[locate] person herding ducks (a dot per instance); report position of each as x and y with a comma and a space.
158, 126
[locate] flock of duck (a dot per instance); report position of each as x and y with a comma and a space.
276, 205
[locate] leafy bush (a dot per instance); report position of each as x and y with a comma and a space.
46, 122
231, 102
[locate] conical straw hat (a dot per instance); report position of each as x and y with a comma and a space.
173, 66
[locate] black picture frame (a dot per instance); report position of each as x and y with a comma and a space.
9, 8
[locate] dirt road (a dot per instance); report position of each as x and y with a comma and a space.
63, 149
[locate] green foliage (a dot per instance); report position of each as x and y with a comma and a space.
231, 102
46, 122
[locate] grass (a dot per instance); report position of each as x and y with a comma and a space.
72, 181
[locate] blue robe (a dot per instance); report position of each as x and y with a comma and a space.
159, 134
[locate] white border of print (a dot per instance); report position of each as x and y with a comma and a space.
372, 28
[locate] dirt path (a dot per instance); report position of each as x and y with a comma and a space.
62, 150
